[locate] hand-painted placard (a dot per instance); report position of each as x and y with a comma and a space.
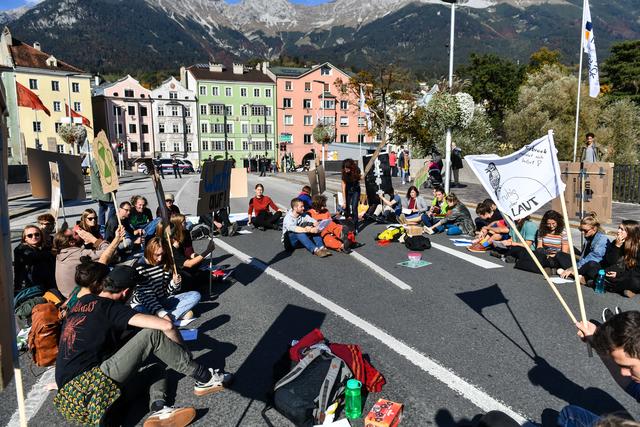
102, 152
215, 186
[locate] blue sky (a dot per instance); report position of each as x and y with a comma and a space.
11, 4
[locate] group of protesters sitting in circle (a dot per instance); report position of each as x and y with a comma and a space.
134, 275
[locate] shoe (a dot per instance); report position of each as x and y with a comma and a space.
428, 230
607, 314
261, 228
629, 294
617, 310
171, 417
219, 381
188, 315
509, 259
234, 229
477, 248
322, 253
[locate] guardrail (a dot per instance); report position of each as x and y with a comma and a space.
626, 183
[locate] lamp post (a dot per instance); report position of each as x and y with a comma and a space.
323, 116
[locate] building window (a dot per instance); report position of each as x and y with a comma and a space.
360, 121
161, 128
307, 86
143, 111
133, 128
60, 148
217, 128
173, 95
286, 102
176, 146
75, 87
288, 119
56, 106
256, 92
243, 92
329, 104
288, 85
308, 120
203, 110
134, 146
160, 111
33, 84
202, 90
228, 91
267, 111
188, 147
128, 93
343, 138
245, 145
204, 127
307, 138
244, 110
257, 110
344, 105
176, 128
37, 126
230, 145
144, 128
57, 126
244, 128
267, 93
216, 109
118, 127
325, 71
205, 145
55, 86
361, 137
306, 103
174, 110
163, 146
217, 145
215, 91
145, 147
344, 121
229, 110
77, 107
131, 110
187, 112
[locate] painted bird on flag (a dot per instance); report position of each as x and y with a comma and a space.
494, 177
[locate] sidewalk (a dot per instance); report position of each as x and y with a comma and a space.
471, 194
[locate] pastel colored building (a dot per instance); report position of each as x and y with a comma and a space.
239, 100
308, 96
123, 110
175, 121
56, 84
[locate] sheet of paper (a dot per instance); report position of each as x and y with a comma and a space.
183, 322
189, 334
407, 211
244, 232
340, 423
323, 224
239, 217
414, 264
560, 280
462, 242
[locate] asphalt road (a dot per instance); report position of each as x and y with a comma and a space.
465, 339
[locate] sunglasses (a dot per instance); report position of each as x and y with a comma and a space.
32, 235
91, 218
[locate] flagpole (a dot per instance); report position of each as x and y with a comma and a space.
15, 87
575, 135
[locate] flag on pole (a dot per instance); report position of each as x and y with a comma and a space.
590, 50
522, 182
85, 121
364, 109
27, 98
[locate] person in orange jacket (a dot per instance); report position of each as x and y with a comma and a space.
334, 235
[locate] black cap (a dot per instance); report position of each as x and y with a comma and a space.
123, 277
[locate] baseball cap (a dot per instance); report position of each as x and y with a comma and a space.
169, 196
123, 277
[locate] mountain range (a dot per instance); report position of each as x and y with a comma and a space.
137, 35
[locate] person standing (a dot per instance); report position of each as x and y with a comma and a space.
404, 161
263, 166
456, 163
176, 168
351, 190
393, 162
157, 163
590, 152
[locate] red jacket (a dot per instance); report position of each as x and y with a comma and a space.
262, 204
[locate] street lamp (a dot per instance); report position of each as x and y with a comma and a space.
184, 124
323, 116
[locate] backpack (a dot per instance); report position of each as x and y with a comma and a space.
44, 334
314, 384
417, 243
27, 294
392, 233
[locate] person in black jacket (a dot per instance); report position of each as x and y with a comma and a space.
33, 264
622, 260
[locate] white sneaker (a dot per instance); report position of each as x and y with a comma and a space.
171, 417
219, 381
428, 230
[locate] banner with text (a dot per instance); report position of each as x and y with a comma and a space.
56, 194
215, 185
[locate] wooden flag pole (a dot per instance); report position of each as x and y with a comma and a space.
173, 261
537, 262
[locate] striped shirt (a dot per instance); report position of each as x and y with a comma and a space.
155, 287
552, 243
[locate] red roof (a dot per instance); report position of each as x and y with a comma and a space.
28, 56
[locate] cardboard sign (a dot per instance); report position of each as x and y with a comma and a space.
70, 168
103, 154
215, 186
378, 179
56, 194
317, 180
157, 185
239, 183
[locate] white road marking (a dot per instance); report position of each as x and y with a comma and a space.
467, 257
185, 186
381, 271
36, 397
469, 391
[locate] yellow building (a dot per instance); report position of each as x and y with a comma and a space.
56, 83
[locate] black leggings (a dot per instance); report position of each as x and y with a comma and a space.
267, 219
524, 261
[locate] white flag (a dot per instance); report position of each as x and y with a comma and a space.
522, 182
590, 50
364, 109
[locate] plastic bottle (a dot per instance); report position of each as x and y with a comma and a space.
353, 399
600, 282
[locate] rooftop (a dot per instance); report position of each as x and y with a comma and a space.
202, 72
27, 56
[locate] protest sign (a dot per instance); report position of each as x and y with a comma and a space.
69, 167
378, 179
239, 183
215, 185
157, 185
56, 194
103, 154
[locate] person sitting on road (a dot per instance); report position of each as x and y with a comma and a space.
47, 224
133, 237
89, 222
617, 342
493, 227
260, 204
33, 264
169, 201
413, 207
159, 291
438, 209
69, 248
334, 235
299, 229
593, 251
552, 250
187, 261
389, 210
141, 217
487, 213
512, 249
305, 196
457, 221
94, 367
219, 224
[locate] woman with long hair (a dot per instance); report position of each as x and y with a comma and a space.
335, 236
33, 263
260, 204
187, 261
413, 206
351, 190
89, 223
593, 251
552, 248
457, 221
159, 291
622, 260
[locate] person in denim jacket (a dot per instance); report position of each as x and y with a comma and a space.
593, 251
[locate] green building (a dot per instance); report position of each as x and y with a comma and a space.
243, 99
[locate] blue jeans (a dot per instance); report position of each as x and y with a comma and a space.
311, 242
176, 305
575, 416
150, 228
453, 230
430, 221
105, 208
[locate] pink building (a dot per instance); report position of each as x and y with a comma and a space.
306, 96
123, 110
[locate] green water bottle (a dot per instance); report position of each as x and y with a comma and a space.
353, 399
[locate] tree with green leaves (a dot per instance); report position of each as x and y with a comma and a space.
621, 71
544, 56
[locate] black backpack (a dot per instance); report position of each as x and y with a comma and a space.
417, 243
314, 384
